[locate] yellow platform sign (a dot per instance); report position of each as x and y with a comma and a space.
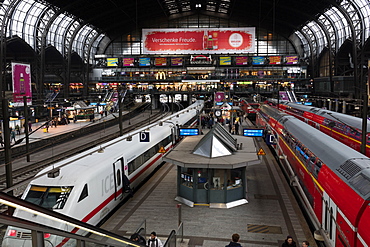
162, 150
261, 152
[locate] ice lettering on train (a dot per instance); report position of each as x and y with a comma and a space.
107, 184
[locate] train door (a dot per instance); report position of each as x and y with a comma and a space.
118, 182
329, 217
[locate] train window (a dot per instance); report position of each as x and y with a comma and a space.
49, 197
312, 159
84, 193
318, 165
131, 167
146, 156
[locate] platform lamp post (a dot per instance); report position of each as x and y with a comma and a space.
7, 147
364, 112
120, 114
26, 129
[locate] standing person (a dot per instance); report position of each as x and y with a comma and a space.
234, 241
305, 244
154, 241
237, 127
29, 126
47, 126
289, 242
12, 135
18, 129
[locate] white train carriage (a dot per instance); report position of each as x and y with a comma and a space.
90, 185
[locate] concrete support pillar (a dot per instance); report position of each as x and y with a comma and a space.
324, 104
155, 101
344, 107
336, 105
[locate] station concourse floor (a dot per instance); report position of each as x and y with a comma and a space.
271, 214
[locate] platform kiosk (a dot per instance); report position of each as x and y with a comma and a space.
212, 168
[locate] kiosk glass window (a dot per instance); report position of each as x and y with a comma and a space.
218, 179
187, 177
234, 179
202, 178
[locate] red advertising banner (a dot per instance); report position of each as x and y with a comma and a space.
275, 59
21, 77
241, 61
160, 61
199, 40
128, 62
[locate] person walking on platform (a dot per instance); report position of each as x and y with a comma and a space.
236, 125
17, 129
154, 241
47, 126
289, 242
234, 241
12, 135
29, 126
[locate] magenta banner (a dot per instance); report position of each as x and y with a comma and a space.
21, 78
219, 96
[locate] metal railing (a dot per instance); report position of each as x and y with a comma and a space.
39, 235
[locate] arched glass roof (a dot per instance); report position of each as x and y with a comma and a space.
29, 14
337, 25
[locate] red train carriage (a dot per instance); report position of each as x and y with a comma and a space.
344, 128
333, 180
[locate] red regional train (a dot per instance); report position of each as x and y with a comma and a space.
342, 127
332, 179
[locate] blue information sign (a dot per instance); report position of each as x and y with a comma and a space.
189, 132
253, 132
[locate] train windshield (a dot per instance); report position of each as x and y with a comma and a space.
49, 197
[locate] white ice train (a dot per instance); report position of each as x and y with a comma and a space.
91, 184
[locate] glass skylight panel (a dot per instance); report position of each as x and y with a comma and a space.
364, 6
30, 21
222, 10
340, 23
211, 8
311, 36
58, 30
224, 5
79, 41
325, 21
320, 36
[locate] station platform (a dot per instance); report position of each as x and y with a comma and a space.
271, 214
61, 129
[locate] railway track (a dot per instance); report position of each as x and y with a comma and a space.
50, 155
